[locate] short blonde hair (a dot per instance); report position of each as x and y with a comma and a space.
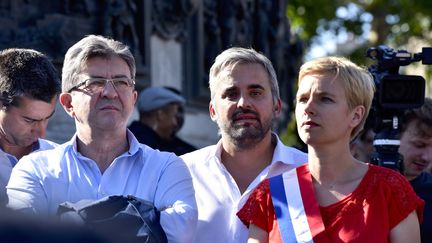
356, 81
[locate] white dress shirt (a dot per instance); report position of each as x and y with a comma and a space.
8, 161
43, 180
218, 196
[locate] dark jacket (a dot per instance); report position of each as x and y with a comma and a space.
422, 185
147, 136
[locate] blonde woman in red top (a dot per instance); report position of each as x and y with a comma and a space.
335, 197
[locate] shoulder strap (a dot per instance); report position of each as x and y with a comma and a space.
296, 207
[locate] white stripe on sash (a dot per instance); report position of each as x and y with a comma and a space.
295, 207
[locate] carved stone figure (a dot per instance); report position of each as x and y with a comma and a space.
170, 16
119, 22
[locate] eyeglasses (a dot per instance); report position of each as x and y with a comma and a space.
96, 85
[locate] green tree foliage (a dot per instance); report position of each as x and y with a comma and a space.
391, 22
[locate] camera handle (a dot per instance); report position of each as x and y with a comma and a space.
386, 144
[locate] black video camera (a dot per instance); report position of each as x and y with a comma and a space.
394, 93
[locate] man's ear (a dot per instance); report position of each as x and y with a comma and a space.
65, 100
277, 108
135, 96
212, 112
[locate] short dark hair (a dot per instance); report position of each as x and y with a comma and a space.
423, 118
29, 73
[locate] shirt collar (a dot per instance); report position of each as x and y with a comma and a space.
217, 150
284, 158
13, 160
36, 145
134, 145
280, 154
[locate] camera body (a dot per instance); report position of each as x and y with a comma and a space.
394, 93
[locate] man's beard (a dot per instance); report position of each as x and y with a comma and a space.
246, 136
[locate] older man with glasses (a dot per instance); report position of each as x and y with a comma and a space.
103, 158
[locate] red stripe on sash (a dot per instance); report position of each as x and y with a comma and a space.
309, 201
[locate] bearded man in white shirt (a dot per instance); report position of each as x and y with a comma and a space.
244, 103
103, 158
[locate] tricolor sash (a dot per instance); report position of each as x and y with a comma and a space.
296, 207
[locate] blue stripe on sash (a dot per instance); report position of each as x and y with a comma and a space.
280, 205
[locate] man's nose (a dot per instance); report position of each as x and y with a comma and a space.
243, 102
427, 154
39, 128
109, 90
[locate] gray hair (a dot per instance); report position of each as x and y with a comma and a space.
237, 55
89, 47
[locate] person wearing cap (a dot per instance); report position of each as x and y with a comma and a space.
159, 113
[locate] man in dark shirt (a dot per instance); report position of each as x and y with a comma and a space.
160, 118
416, 149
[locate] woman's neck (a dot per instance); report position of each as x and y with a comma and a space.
329, 165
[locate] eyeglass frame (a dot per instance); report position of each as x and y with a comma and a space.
131, 82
